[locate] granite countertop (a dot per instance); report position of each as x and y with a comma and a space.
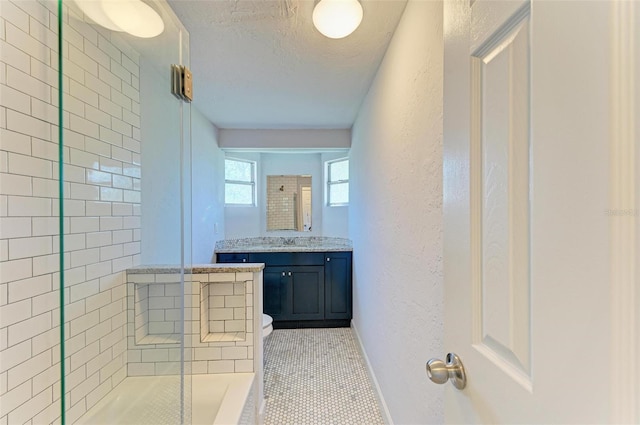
197, 268
284, 244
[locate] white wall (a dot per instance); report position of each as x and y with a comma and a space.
285, 139
252, 221
207, 162
395, 217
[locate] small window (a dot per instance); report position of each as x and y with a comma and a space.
338, 182
239, 182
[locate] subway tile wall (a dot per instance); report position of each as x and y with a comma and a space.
206, 350
102, 209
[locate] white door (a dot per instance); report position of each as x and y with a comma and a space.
541, 210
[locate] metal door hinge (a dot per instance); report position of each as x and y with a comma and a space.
182, 82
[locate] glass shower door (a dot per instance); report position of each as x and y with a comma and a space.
125, 147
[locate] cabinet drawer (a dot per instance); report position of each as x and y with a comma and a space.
288, 258
232, 258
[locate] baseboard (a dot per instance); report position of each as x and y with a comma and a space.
383, 405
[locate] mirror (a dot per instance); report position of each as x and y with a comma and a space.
289, 203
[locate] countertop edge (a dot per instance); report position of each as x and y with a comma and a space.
197, 268
247, 249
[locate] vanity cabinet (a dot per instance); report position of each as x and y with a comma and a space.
303, 289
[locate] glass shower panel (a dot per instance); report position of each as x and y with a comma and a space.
126, 168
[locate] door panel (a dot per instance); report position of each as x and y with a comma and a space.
528, 177
275, 293
499, 195
307, 293
337, 270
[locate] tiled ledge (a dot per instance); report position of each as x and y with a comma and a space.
196, 268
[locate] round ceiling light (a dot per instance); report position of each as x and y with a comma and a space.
131, 16
337, 18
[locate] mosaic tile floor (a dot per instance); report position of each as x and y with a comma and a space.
317, 377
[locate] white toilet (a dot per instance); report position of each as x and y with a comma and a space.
267, 325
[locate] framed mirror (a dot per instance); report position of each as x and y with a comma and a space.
289, 203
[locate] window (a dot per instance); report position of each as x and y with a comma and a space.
239, 182
338, 182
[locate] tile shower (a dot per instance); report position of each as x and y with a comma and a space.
109, 336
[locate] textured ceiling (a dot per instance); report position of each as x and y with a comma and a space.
261, 64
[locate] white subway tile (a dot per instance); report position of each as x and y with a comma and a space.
242, 366
120, 71
99, 178
111, 252
83, 60
14, 99
106, 46
14, 56
120, 209
14, 184
84, 257
221, 366
43, 149
46, 74
15, 227
16, 397
43, 34
131, 118
96, 54
11, 13
97, 147
131, 222
28, 369
84, 126
111, 194
141, 369
83, 93
84, 159
46, 379
109, 107
28, 288
15, 142
35, 10
96, 208
49, 301
23, 206
46, 264
29, 166
97, 85
29, 247
4, 256
110, 136
15, 312
28, 125
133, 196
132, 145
45, 226
27, 44
71, 138
122, 182
44, 111
130, 92
122, 236
132, 248
84, 224
84, 191
98, 239
120, 99
98, 270
29, 328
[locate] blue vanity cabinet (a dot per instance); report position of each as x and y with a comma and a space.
337, 286
275, 293
303, 289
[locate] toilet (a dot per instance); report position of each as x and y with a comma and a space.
267, 325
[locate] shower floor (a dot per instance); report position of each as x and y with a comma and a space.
155, 400
317, 377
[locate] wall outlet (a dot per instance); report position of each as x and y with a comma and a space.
215, 228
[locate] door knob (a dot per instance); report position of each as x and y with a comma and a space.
453, 369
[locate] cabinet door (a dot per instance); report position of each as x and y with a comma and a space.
274, 295
306, 295
338, 304
232, 257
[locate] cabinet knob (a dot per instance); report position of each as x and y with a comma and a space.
289, 273
328, 259
244, 260
283, 273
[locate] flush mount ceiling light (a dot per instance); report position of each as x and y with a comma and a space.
337, 18
130, 16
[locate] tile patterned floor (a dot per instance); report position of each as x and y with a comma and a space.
317, 377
